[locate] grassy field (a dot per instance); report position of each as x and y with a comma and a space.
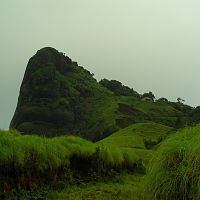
172, 173
127, 186
29, 161
115, 166
139, 139
134, 136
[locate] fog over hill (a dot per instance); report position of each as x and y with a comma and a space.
149, 46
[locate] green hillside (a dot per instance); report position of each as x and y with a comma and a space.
140, 139
59, 97
172, 173
109, 168
55, 95
139, 135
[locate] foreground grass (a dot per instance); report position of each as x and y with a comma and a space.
123, 187
30, 161
174, 172
89, 170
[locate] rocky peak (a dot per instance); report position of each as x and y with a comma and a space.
52, 87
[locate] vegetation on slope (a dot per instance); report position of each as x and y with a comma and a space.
28, 161
118, 89
55, 95
132, 140
140, 139
122, 187
138, 135
174, 172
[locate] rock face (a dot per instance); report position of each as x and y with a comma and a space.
54, 95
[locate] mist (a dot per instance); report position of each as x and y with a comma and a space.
147, 45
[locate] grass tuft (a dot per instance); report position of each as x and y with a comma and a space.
174, 172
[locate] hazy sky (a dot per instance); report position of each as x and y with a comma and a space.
150, 45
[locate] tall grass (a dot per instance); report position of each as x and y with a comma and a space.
27, 161
174, 172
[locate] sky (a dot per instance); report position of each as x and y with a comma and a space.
147, 45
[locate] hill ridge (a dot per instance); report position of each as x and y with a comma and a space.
58, 97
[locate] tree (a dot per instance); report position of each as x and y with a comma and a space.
195, 115
149, 95
163, 100
179, 100
118, 88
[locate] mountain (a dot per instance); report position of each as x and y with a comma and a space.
55, 96
59, 97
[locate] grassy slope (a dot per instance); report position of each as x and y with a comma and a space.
53, 152
175, 164
174, 172
156, 111
127, 187
42, 155
133, 137
105, 116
